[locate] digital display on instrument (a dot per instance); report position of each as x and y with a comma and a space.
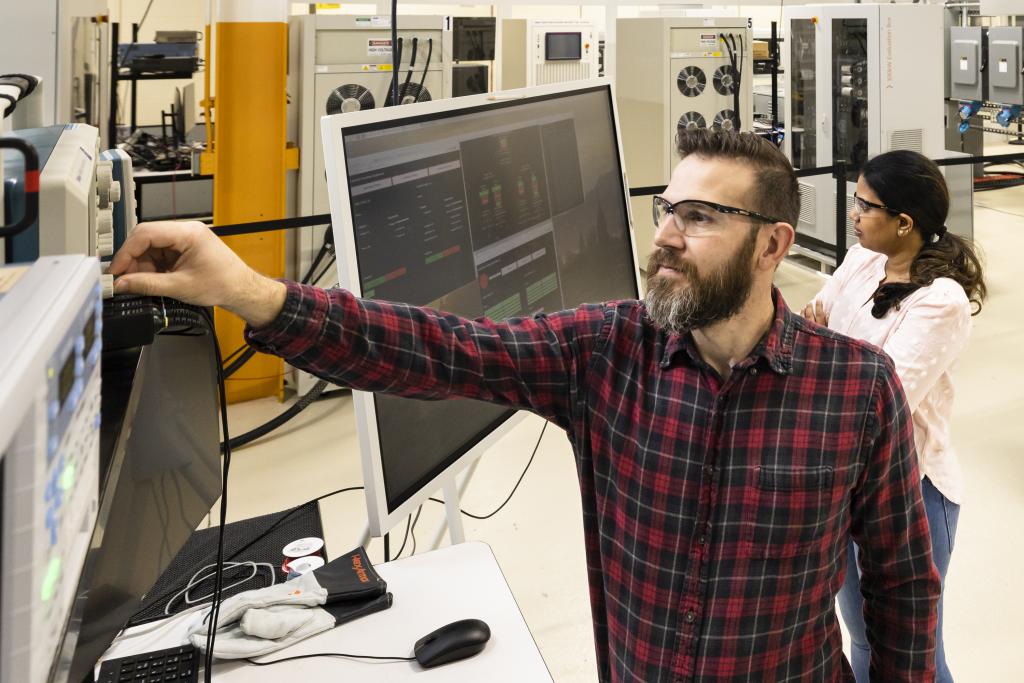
563, 46
66, 379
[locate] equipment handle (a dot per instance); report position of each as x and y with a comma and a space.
31, 185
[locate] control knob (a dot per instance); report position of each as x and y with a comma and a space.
104, 178
105, 245
107, 285
104, 222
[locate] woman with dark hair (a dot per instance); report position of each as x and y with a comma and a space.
909, 287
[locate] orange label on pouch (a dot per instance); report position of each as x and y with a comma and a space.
357, 565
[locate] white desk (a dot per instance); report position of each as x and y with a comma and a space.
430, 590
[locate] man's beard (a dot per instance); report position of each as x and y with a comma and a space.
692, 302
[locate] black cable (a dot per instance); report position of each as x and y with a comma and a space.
185, 315
330, 654
414, 521
423, 77
234, 353
408, 523
304, 401
732, 62
527, 469
396, 52
326, 248
240, 361
739, 81
309, 397
327, 268
731, 45
408, 76
307, 278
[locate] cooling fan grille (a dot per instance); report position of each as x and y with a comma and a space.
412, 92
691, 81
725, 80
349, 97
725, 120
691, 120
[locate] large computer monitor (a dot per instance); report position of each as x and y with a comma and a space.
159, 477
501, 205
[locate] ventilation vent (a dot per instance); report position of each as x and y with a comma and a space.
725, 80
726, 120
410, 93
907, 139
808, 204
691, 81
561, 72
349, 97
691, 120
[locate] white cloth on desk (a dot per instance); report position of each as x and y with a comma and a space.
258, 622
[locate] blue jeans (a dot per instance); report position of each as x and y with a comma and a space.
942, 518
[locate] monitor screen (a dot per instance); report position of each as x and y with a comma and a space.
499, 210
159, 476
470, 79
563, 46
473, 39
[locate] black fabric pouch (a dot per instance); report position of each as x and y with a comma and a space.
351, 610
351, 578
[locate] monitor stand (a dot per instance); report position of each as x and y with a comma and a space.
452, 489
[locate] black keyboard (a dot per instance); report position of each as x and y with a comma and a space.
175, 664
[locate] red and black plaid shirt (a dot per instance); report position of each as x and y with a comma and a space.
716, 512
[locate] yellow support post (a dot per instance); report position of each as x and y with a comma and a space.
249, 161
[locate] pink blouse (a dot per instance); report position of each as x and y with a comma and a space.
924, 337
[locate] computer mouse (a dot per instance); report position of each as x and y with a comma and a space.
458, 640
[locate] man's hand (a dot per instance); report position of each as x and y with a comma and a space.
815, 311
186, 261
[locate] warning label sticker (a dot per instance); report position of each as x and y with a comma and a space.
708, 38
378, 48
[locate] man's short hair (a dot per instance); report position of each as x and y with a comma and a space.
776, 192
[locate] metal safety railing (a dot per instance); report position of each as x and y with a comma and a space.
838, 170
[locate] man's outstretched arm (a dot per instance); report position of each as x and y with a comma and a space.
534, 364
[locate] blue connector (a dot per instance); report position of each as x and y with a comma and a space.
1008, 114
969, 109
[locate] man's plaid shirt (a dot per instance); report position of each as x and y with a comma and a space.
716, 512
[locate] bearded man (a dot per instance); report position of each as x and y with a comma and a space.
726, 448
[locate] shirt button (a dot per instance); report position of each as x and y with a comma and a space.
689, 616
753, 372
709, 470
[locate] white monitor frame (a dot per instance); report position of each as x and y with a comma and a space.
380, 520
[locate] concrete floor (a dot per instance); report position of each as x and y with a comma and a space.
538, 537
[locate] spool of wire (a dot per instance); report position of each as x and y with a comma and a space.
303, 555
